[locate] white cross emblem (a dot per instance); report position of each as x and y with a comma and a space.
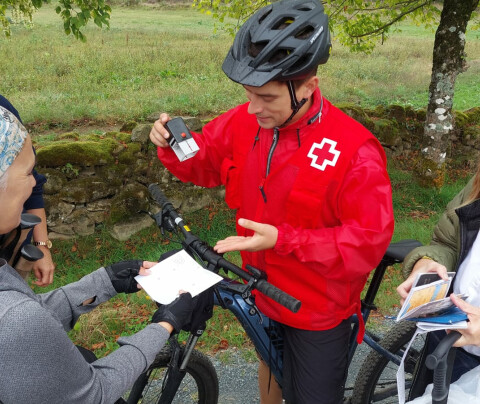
323, 154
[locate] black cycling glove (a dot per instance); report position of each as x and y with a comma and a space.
122, 275
178, 313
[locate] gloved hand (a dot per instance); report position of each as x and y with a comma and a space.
178, 313
122, 275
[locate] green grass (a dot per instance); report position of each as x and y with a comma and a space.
163, 59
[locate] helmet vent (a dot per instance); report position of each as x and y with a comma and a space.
278, 56
255, 48
283, 23
305, 33
300, 63
265, 15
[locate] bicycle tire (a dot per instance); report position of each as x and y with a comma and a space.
376, 380
200, 385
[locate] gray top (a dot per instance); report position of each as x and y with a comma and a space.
38, 361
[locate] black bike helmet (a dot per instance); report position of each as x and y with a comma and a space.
283, 41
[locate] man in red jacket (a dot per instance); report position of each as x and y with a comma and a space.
311, 190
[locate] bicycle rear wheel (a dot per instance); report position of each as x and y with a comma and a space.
376, 381
199, 386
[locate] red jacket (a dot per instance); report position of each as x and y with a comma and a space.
327, 192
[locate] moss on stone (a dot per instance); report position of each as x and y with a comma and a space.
128, 202
122, 137
472, 133
386, 131
356, 112
82, 153
397, 112
68, 136
473, 115
128, 155
421, 114
461, 119
428, 173
128, 126
89, 189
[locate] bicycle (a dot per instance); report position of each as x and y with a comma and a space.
180, 374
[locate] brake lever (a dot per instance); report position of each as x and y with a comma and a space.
247, 292
160, 220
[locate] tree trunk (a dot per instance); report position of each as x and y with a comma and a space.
449, 60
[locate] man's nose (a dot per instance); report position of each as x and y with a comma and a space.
254, 108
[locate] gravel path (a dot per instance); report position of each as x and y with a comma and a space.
238, 377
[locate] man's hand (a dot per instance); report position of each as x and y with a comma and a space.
265, 236
44, 268
159, 135
422, 265
471, 334
176, 314
123, 273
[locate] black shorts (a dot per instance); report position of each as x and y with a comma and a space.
315, 364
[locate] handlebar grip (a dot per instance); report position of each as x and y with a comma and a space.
158, 194
442, 349
441, 362
278, 295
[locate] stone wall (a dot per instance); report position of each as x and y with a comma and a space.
101, 180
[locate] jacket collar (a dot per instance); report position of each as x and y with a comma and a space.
315, 113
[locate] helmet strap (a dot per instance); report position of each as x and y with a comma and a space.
295, 105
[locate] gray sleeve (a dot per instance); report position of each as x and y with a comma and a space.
67, 302
43, 365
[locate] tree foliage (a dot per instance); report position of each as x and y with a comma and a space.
358, 24
76, 14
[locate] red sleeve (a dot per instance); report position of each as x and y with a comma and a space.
215, 145
366, 214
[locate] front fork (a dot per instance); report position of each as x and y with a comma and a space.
175, 373
177, 366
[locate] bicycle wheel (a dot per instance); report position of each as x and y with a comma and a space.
200, 384
376, 381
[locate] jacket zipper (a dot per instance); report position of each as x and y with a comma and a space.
276, 133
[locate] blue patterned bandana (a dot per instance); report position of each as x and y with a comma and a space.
12, 138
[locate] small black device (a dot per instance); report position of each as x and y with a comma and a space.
181, 140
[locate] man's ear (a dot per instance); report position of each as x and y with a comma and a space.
310, 86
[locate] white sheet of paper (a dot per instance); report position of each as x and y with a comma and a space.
175, 273
435, 326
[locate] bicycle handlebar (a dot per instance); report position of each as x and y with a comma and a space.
441, 362
206, 253
442, 349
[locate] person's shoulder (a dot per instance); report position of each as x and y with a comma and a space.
8, 105
19, 311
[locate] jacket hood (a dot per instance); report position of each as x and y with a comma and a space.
10, 280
